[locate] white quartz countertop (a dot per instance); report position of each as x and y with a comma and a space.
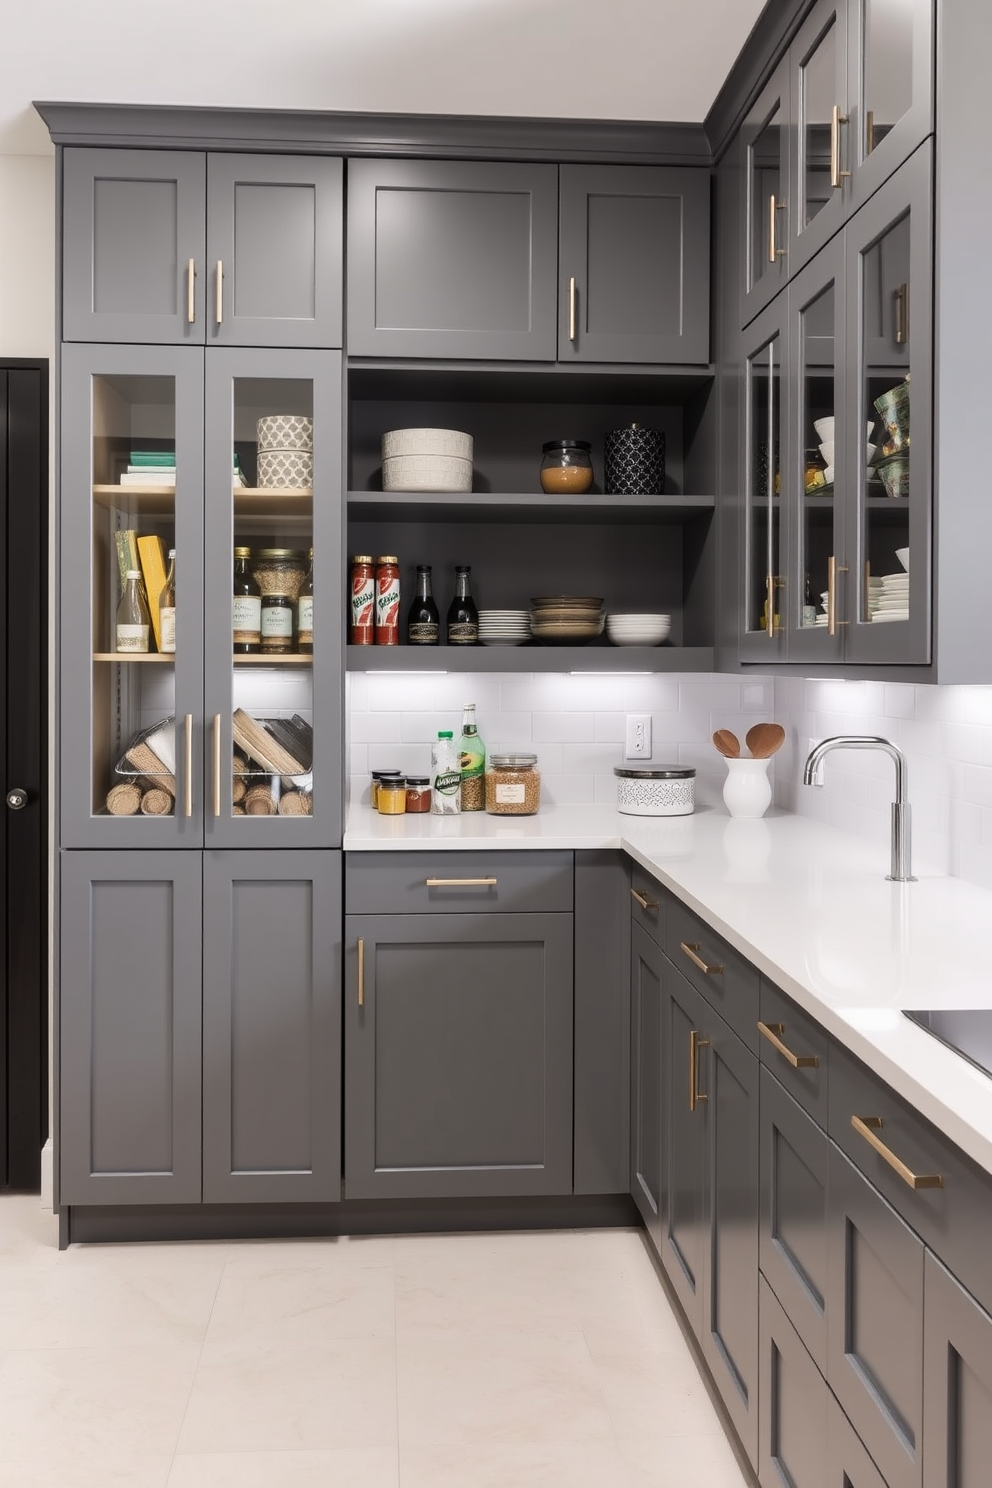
810, 907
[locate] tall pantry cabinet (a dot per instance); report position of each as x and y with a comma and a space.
200, 855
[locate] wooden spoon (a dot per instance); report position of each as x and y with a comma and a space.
764, 738
727, 743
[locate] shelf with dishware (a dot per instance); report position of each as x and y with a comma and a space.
531, 657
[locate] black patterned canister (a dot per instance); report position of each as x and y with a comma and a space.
635, 462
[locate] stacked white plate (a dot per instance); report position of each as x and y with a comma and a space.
893, 597
566, 619
638, 630
504, 627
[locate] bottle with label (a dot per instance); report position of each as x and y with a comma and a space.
463, 617
423, 625
472, 763
133, 619
361, 624
304, 614
247, 609
167, 607
277, 625
446, 776
387, 601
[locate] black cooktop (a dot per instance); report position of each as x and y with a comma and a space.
968, 1033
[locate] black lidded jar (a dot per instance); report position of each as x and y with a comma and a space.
634, 462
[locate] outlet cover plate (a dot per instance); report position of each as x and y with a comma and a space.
638, 736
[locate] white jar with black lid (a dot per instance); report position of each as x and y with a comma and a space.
657, 790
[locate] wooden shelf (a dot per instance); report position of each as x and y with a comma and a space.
522, 506
530, 658
248, 501
295, 659
142, 658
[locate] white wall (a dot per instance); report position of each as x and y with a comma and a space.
27, 256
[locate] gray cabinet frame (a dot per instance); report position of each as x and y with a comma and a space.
957, 1390
649, 973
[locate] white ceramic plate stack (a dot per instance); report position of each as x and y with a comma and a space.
566, 619
638, 630
893, 598
427, 460
504, 627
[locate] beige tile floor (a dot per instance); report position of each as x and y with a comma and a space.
547, 1360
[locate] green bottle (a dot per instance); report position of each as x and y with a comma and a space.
472, 758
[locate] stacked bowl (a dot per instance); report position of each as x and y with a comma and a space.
427, 460
566, 619
504, 627
285, 451
638, 630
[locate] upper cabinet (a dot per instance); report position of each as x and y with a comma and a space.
174, 247
463, 260
850, 102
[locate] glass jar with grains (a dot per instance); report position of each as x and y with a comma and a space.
566, 468
513, 785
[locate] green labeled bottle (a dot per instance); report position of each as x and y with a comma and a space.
472, 758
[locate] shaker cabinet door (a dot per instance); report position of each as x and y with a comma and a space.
684, 1121
634, 258
452, 259
957, 1393
648, 968
133, 246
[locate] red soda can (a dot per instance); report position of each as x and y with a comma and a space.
387, 602
361, 631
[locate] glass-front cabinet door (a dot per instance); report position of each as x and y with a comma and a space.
765, 167
819, 88
891, 88
132, 484
272, 693
889, 331
766, 455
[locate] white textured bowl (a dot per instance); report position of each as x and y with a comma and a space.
427, 442
827, 451
426, 473
824, 427
903, 555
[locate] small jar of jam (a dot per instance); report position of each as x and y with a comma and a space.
392, 796
418, 793
566, 468
377, 777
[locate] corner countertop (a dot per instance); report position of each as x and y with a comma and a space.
810, 906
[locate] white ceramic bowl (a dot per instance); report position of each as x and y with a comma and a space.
426, 473
824, 427
827, 451
903, 555
449, 442
828, 475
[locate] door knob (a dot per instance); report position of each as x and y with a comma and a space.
17, 798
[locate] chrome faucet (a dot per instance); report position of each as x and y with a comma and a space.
901, 858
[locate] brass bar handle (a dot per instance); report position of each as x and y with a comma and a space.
361, 972
448, 883
833, 569
773, 1033
774, 252
868, 588
901, 297
867, 1126
188, 751
691, 949
836, 120
191, 291
696, 1043
869, 131
643, 900
770, 607
217, 764
571, 309
219, 291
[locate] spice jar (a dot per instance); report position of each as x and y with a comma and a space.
276, 625
377, 777
361, 624
566, 466
513, 785
387, 601
392, 796
418, 793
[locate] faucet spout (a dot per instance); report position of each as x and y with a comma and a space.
901, 851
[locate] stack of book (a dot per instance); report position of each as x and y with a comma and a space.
158, 468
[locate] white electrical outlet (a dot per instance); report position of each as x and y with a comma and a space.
638, 737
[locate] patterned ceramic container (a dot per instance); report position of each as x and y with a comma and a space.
634, 464
285, 431
665, 790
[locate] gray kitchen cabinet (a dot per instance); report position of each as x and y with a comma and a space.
764, 156
649, 971
601, 1105
452, 259
271, 1027
875, 1322
793, 1404
957, 1391
848, 1464
129, 1027
794, 1159
168, 247
458, 1053
685, 1022
633, 264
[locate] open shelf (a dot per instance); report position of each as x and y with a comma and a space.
141, 658
295, 659
530, 658
521, 506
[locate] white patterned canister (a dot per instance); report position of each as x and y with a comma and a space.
634, 463
660, 790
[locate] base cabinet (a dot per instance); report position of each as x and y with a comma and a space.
794, 1404
957, 1402
647, 974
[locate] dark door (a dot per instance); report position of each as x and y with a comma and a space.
23, 541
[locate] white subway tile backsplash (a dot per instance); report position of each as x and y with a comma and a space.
572, 727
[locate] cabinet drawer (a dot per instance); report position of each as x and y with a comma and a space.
458, 882
727, 981
788, 1034
647, 904
955, 1219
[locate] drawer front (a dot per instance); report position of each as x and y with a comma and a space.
648, 904
727, 981
458, 882
955, 1219
795, 1049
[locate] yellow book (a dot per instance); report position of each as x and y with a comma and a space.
151, 551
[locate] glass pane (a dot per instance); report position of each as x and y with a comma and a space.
764, 483
272, 608
133, 743
764, 178
884, 595
888, 80
817, 321
818, 80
